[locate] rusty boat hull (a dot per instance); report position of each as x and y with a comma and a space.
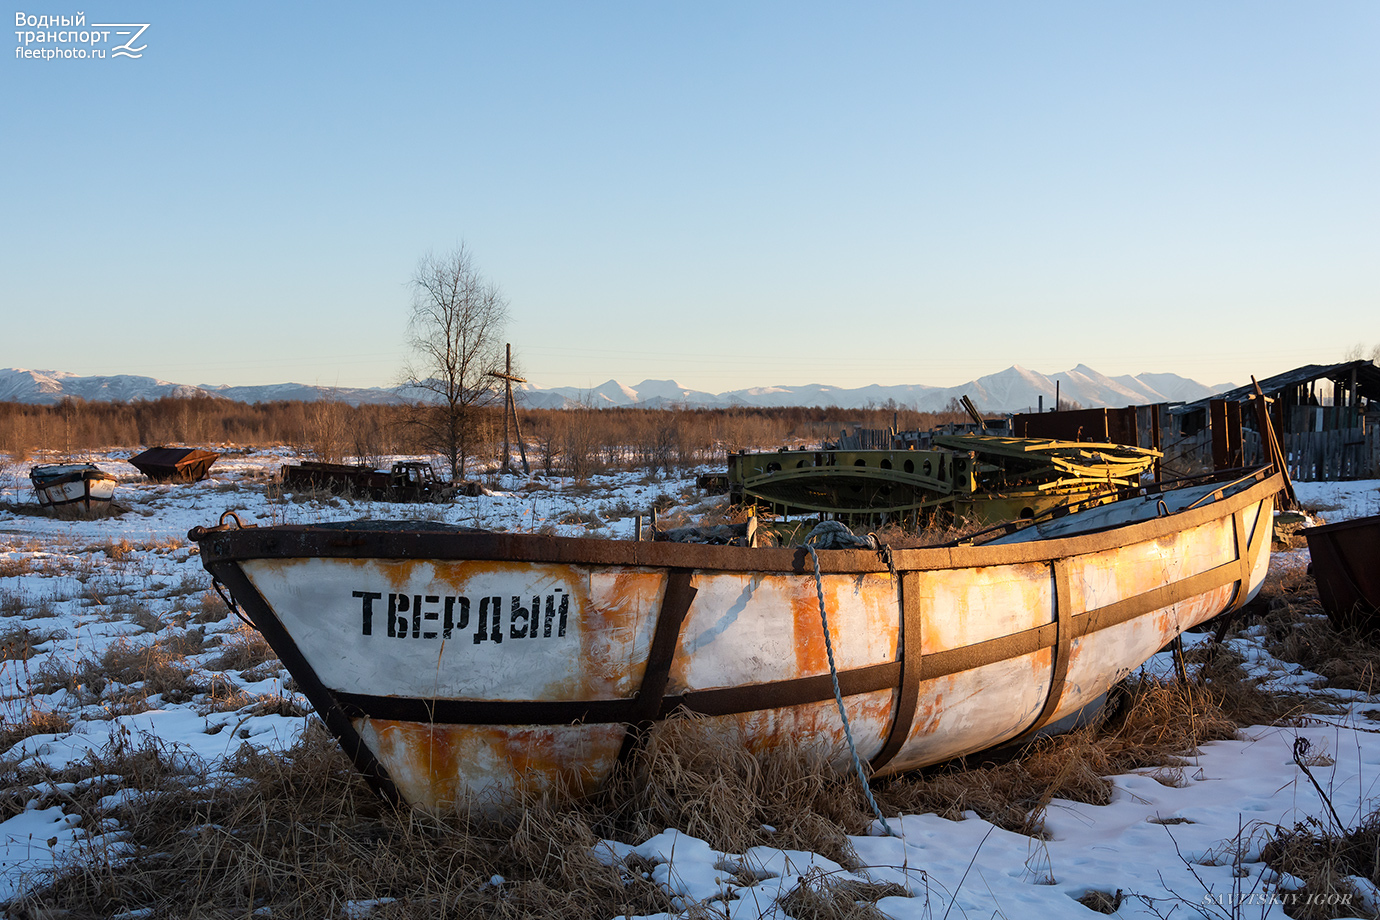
461, 667
1346, 566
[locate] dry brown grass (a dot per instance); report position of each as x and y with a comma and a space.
125, 675
244, 649
1297, 630
300, 835
1156, 725
697, 776
12, 604
822, 897
17, 643
33, 722
12, 566
119, 550
206, 607
1325, 859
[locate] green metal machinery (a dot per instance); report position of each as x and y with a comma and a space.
979, 478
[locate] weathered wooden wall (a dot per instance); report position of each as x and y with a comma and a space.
1346, 453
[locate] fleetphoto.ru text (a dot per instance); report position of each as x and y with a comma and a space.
72, 38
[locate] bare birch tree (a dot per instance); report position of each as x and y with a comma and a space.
456, 335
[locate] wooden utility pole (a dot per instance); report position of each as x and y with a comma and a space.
510, 409
1271, 445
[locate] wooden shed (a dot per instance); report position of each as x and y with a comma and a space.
1326, 416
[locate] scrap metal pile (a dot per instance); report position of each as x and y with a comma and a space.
979, 478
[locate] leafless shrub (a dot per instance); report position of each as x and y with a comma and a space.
326, 431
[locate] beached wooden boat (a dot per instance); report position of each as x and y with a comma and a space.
459, 667
72, 486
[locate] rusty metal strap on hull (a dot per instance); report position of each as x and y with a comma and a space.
675, 604
1063, 603
908, 693
1228, 573
1243, 556
726, 701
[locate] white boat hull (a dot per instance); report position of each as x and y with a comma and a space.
463, 668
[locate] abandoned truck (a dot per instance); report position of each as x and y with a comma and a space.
406, 481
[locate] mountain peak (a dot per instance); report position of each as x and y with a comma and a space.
1014, 389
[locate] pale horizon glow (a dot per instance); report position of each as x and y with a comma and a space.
722, 195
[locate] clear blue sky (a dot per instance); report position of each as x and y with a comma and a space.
728, 194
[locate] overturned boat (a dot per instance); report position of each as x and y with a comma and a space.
72, 487
460, 668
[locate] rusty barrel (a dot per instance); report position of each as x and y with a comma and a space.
1346, 567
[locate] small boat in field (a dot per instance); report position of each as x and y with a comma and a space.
72, 486
461, 667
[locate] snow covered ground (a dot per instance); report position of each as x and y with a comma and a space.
70, 590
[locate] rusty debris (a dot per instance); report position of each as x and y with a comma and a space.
1346, 567
175, 464
405, 481
981, 478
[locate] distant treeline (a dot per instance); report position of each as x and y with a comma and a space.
575, 441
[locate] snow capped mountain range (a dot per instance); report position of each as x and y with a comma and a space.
1015, 389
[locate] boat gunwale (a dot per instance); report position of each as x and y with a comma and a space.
410, 540
45, 475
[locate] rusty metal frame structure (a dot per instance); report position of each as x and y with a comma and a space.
223, 548
983, 476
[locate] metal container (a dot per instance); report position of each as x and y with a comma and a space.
1346, 566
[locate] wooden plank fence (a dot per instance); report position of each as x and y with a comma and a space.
1313, 456
1346, 453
